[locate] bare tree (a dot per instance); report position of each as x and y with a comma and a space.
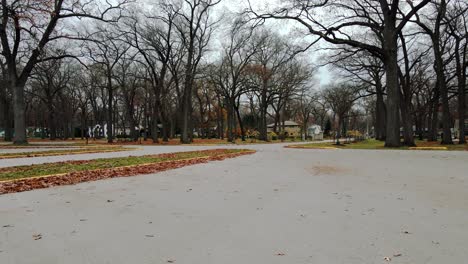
340, 98
106, 51
229, 77
195, 28
435, 31
49, 79
272, 55
154, 36
457, 21
307, 103
27, 27
380, 19
361, 66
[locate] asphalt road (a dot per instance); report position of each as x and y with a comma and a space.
276, 206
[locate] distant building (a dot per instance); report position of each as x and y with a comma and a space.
457, 127
315, 132
291, 128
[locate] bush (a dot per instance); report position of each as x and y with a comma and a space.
272, 136
253, 134
355, 134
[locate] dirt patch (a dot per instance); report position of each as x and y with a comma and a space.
327, 170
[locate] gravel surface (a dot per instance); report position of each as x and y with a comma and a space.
276, 206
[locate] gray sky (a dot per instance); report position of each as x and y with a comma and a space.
324, 74
230, 7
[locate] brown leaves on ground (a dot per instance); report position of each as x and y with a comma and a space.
76, 177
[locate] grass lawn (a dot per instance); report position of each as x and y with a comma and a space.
375, 144
77, 149
200, 142
22, 172
149, 142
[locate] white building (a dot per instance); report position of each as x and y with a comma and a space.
315, 132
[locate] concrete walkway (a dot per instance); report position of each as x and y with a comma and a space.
276, 206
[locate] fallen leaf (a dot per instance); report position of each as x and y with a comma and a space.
76, 177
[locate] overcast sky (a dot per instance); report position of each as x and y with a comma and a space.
324, 76
231, 7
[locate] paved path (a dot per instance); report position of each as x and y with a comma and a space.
276, 206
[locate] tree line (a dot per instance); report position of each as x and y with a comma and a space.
179, 68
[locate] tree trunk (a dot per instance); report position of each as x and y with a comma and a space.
263, 114
393, 89
52, 125
19, 113
230, 120
443, 89
83, 125
6, 109
461, 79
110, 114
8, 125
338, 130
434, 117
380, 113
165, 128
277, 122
408, 138
441, 80
154, 126
187, 96
241, 125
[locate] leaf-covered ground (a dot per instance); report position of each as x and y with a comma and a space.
25, 178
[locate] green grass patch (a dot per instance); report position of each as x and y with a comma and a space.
58, 152
21, 172
375, 144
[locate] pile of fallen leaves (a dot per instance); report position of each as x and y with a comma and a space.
76, 177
